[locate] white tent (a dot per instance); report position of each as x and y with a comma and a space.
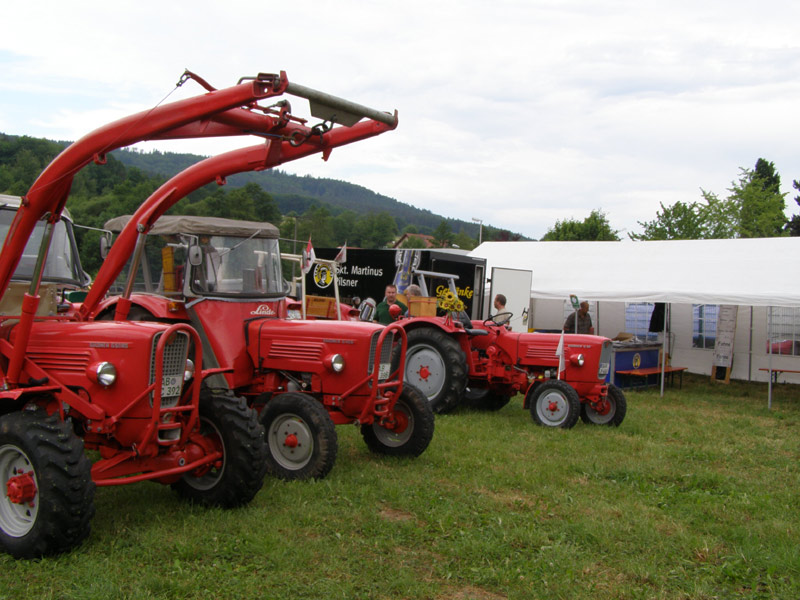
750, 272
760, 272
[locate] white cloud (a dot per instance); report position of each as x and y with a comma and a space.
520, 113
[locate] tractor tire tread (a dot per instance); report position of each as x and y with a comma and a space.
64, 478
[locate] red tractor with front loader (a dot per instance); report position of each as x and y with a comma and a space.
224, 278
482, 364
133, 393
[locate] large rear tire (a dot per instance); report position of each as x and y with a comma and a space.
301, 437
413, 431
436, 365
46, 478
555, 403
615, 415
235, 481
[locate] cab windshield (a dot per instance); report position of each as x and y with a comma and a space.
62, 264
227, 266
234, 266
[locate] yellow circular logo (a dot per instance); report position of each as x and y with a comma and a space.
323, 276
637, 361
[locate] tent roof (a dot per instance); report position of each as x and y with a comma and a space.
751, 272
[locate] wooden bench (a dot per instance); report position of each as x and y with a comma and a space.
649, 371
777, 372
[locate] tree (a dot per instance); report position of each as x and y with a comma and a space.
464, 241
754, 208
594, 228
413, 243
442, 235
761, 204
253, 196
677, 222
374, 230
793, 226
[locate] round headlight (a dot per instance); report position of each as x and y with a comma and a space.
577, 359
335, 363
188, 371
105, 373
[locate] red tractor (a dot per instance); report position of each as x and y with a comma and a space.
224, 278
481, 363
130, 392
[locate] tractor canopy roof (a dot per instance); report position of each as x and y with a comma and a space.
13, 202
177, 224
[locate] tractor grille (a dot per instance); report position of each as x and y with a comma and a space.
539, 353
296, 350
174, 366
386, 352
65, 362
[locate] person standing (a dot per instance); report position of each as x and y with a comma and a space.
500, 303
584, 321
382, 315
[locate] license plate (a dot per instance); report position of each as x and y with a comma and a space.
171, 386
384, 370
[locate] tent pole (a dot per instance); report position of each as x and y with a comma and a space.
769, 359
750, 349
664, 347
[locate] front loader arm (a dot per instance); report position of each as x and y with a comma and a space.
254, 158
49, 192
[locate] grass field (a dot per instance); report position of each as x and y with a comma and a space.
694, 496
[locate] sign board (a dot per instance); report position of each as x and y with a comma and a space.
573, 299
367, 272
723, 344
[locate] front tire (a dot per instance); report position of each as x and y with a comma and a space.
233, 426
616, 413
301, 437
555, 404
48, 500
436, 365
413, 431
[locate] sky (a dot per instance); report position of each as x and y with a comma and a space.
515, 113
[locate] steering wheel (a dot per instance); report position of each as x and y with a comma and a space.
498, 319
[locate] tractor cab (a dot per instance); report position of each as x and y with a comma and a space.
188, 258
63, 265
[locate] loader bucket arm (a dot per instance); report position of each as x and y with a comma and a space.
226, 112
272, 153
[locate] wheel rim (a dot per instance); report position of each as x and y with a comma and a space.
394, 439
211, 477
291, 441
596, 417
425, 369
552, 407
17, 518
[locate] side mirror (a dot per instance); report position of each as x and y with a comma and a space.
367, 310
195, 255
105, 244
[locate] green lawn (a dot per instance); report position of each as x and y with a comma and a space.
694, 496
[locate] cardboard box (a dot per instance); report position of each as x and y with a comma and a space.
421, 307
321, 306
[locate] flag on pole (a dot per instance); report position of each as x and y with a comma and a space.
308, 258
342, 256
560, 355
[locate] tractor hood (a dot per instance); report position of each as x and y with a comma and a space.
311, 346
